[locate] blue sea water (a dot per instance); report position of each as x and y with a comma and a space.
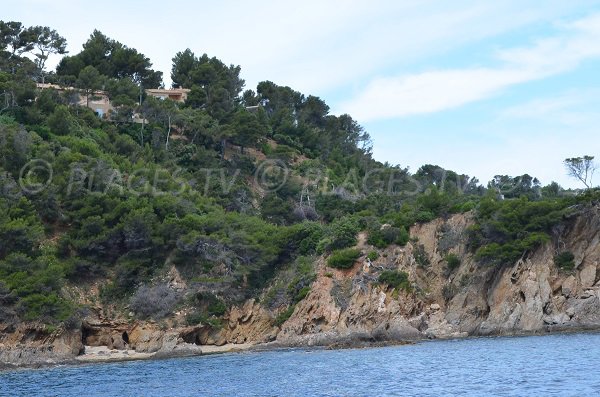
553, 365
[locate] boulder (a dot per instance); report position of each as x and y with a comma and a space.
557, 319
145, 339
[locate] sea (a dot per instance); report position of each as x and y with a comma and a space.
549, 365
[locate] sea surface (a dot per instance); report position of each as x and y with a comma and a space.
554, 365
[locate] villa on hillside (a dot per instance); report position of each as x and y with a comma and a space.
174, 94
99, 101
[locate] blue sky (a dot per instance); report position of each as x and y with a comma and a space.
482, 88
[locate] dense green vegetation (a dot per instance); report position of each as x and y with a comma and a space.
87, 199
506, 230
343, 259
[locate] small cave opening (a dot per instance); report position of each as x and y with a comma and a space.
86, 331
125, 337
191, 337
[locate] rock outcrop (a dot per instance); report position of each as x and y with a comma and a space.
36, 345
531, 296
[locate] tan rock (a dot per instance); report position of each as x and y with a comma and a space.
569, 286
587, 275
146, 339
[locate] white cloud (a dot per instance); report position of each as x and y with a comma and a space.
439, 90
314, 46
429, 92
574, 108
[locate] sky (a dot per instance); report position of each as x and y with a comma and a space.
478, 87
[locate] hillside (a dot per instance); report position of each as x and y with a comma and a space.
252, 217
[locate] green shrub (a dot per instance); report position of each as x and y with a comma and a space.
375, 238
511, 251
304, 291
343, 233
453, 261
284, 315
448, 291
403, 237
508, 229
373, 255
424, 216
395, 279
343, 259
381, 238
421, 256
565, 260
196, 318
216, 307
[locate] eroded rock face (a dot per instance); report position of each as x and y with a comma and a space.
33, 345
249, 323
531, 296
348, 307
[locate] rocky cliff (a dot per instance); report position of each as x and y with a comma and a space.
533, 295
350, 306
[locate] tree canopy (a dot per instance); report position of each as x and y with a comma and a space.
582, 169
112, 59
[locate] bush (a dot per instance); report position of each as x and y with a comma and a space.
403, 237
383, 237
453, 261
343, 233
424, 216
395, 279
284, 315
565, 260
449, 291
299, 287
373, 255
420, 255
511, 251
196, 318
155, 302
343, 259
508, 229
216, 307
304, 291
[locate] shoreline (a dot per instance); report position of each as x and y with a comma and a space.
104, 355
